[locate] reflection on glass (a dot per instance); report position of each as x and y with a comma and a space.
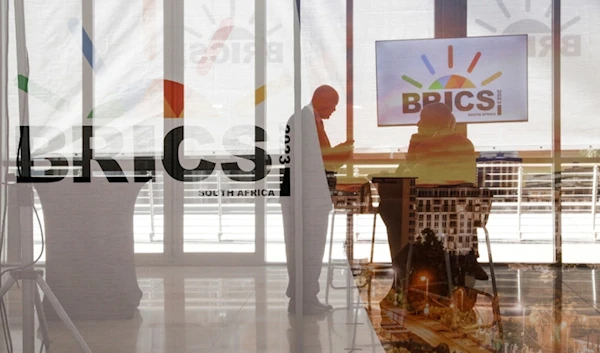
219, 68
218, 215
579, 126
148, 221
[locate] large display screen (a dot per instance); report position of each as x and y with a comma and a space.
482, 79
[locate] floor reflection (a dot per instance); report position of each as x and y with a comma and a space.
229, 310
533, 318
217, 310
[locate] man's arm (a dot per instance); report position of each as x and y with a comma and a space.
335, 157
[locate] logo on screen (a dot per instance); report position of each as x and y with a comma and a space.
455, 90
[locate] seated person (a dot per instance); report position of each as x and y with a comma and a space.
437, 156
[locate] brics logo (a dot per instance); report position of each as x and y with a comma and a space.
455, 90
532, 22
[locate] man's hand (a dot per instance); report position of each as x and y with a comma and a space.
335, 157
345, 146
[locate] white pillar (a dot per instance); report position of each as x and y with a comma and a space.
173, 71
296, 182
25, 198
260, 78
4, 158
87, 71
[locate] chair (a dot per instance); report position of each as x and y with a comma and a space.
455, 214
348, 198
361, 198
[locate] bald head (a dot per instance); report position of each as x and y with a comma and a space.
324, 100
435, 117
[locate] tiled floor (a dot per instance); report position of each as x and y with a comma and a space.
217, 310
244, 309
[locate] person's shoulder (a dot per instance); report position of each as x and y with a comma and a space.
415, 139
460, 139
306, 111
467, 141
303, 112
423, 144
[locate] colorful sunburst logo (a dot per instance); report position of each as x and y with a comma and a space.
475, 77
230, 43
452, 81
536, 25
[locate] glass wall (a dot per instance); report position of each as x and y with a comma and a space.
379, 148
323, 62
279, 105
203, 69
128, 100
219, 55
524, 233
219, 69
580, 129
379, 21
53, 85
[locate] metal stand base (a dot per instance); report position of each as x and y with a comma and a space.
36, 276
331, 267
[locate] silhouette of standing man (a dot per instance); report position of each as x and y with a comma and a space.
317, 157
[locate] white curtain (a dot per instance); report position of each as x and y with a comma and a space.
129, 75
580, 71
